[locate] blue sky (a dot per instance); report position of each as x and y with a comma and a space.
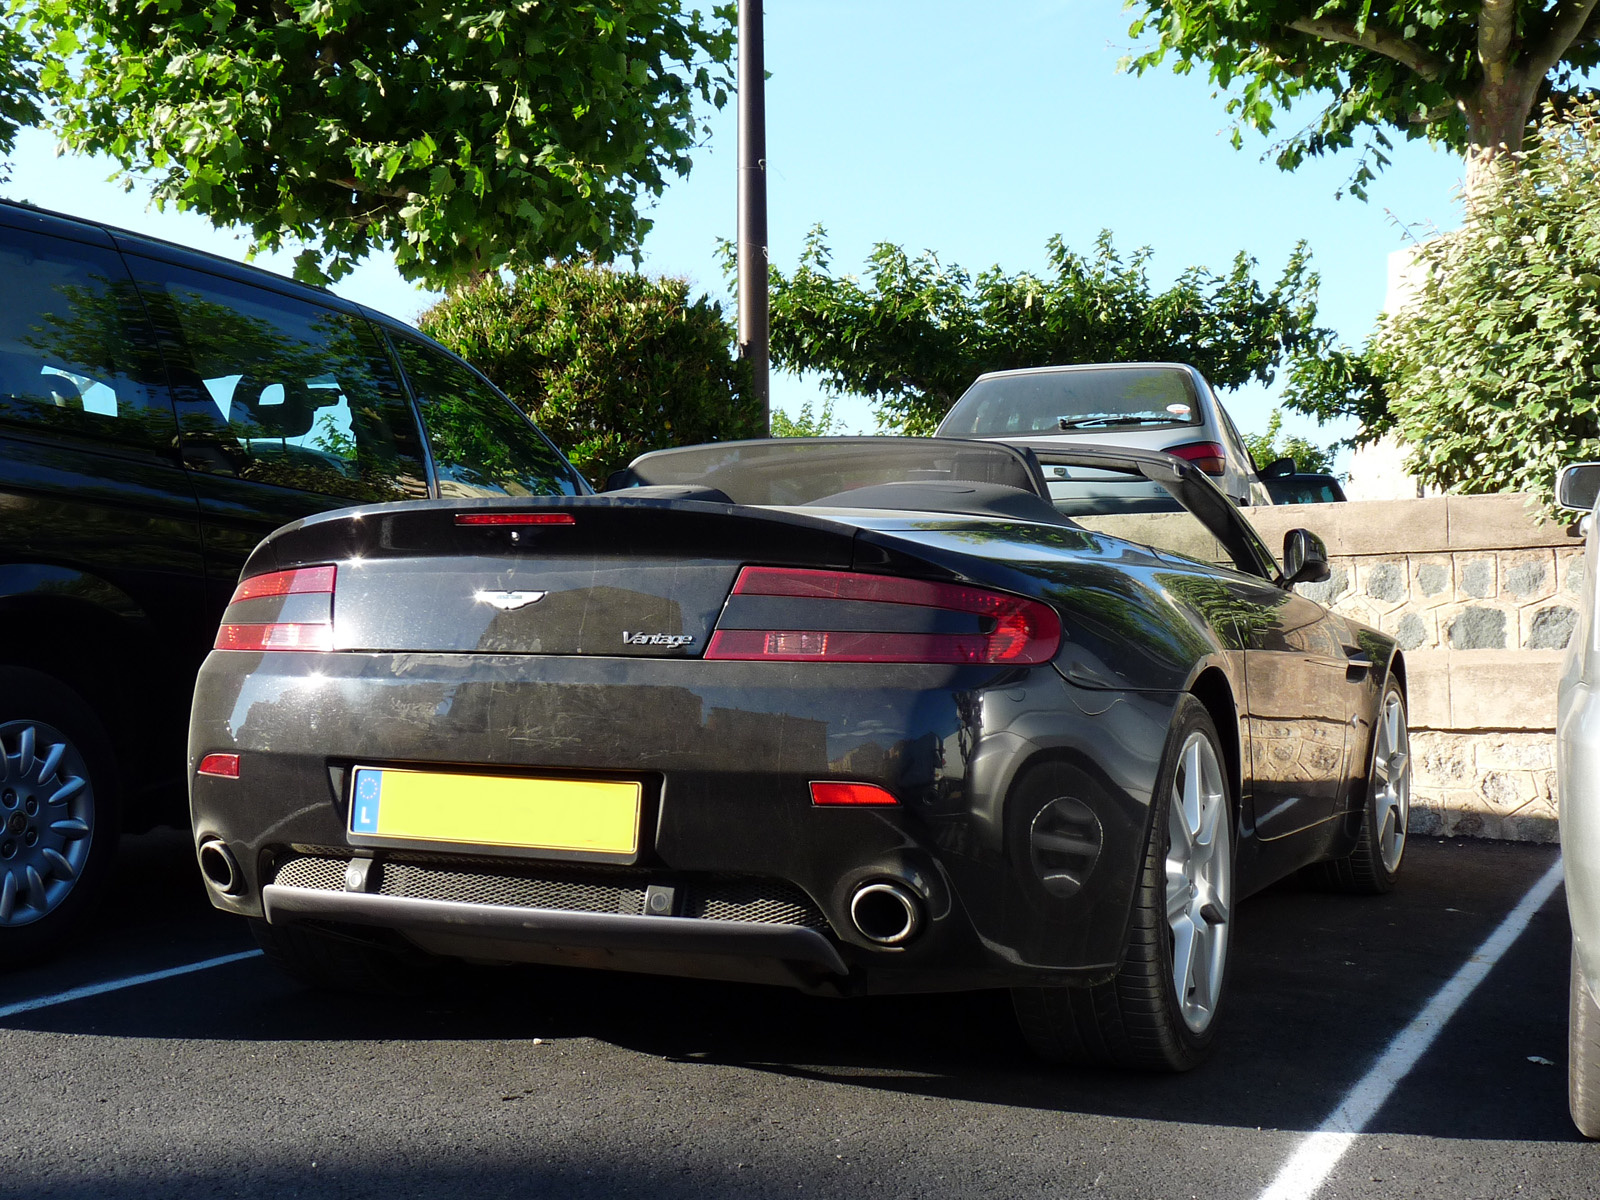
975, 131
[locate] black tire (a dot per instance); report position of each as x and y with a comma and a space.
1371, 868
1139, 1018
60, 814
333, 961
1583, 1054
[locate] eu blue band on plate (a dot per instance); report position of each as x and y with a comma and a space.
369, 790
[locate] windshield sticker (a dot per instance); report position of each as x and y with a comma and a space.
1178, 410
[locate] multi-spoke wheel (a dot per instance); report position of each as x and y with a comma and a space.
1160, 1010
1372, 865
1199, 880
58, 818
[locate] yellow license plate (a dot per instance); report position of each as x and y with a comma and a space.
597, 817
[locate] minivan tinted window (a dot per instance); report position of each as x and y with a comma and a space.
74, 357
279, 390
481, 444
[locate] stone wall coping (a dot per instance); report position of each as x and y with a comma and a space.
1431, 525
1462, 690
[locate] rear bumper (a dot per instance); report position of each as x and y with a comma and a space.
726, 752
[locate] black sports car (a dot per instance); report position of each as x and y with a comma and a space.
854, 715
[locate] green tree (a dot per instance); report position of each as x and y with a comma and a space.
465, 136
1493, 378
608, 363
918, 332
19, 94
1467, 76
1309, 458
806, 423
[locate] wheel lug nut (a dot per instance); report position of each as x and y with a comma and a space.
7, 849
31, 807
8, 798
31, 837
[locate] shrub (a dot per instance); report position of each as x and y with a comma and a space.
608, 363
1492, 372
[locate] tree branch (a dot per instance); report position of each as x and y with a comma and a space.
1379, 40
367, 189
1572, 19
1438, 112
1497, 21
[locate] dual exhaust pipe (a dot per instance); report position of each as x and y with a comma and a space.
886, 913
219, 867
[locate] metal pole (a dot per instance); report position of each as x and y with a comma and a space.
753, 327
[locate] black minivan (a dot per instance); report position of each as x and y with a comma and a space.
162, 410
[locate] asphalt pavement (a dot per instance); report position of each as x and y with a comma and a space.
535, 1082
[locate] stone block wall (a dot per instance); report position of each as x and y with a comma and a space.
1483, 600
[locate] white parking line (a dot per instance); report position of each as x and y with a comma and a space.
116, 985
1321, 1151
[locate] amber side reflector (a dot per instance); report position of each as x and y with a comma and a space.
850, 795
500, 518
223, 766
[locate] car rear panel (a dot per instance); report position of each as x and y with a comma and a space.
428, 675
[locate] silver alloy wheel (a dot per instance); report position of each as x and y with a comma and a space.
46, 819
1391, 783
1199, 880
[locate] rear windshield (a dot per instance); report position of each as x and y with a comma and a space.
1087, 401
788, 471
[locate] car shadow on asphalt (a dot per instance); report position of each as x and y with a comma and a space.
1320, 985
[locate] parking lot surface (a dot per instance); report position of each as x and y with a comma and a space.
233, 1081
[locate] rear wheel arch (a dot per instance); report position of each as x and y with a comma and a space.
95, 652
1214, 691
1397, 672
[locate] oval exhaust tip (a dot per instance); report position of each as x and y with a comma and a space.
886, 913
219, 866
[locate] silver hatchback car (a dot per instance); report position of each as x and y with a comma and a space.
1148, 406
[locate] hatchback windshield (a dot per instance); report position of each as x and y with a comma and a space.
1085, 401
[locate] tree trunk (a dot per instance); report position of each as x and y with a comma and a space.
1497, 122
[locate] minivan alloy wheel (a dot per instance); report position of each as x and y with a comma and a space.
47, 815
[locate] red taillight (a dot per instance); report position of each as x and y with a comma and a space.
1208, 456
505, 518
223, 766
1009, 629
298, 582
310, 627
274, 637
850, 795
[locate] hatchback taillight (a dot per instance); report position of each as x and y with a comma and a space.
1208, 456
788, 614
282, 610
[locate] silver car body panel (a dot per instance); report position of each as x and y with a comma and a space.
1578, 770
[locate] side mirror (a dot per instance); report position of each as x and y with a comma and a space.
1305, 558
1278, 468
620, 480
1577, 485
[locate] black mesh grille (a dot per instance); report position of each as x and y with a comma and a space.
520, 891
759, 901
318, 874
709, 897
